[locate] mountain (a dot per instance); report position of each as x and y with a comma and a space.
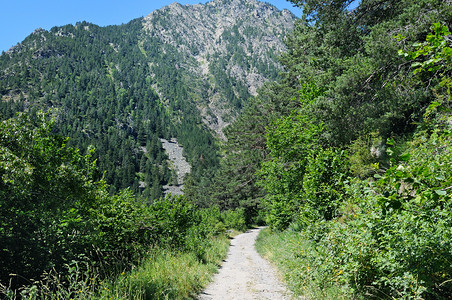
227, 50
182, 72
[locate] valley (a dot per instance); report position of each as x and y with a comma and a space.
133, 157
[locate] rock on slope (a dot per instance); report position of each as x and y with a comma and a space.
178, 163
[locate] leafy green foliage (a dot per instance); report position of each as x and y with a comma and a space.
46, 191
392, 239
435, 49
390, 234
393, 236
235, 219
54, 211
303, 178
367, 155
352, 55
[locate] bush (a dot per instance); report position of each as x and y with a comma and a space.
54, 213
235, 219
47, 196
393, 237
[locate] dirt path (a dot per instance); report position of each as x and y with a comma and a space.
245, 275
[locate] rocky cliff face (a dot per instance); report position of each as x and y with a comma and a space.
226, 50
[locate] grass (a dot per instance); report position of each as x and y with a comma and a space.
168, 275
293, 257
163, 274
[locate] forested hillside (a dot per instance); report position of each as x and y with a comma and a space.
121, 88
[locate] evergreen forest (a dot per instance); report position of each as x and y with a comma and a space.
346, 156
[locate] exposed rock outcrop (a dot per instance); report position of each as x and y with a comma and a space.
178, 164
225, 44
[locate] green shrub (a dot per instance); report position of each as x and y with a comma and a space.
393, 238
235, 219
367, 154
47, 198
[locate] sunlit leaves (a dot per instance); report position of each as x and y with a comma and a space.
435, 52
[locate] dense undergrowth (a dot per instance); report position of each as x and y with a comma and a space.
64, 236
391, 238
161, 274
350, 224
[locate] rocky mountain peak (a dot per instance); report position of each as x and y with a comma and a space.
227, 44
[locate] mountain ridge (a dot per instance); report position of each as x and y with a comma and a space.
181, 72
257, 28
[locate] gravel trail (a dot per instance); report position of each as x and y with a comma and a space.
245, 275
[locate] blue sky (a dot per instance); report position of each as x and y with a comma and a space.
19, 18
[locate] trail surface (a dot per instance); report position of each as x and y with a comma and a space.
245, 275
